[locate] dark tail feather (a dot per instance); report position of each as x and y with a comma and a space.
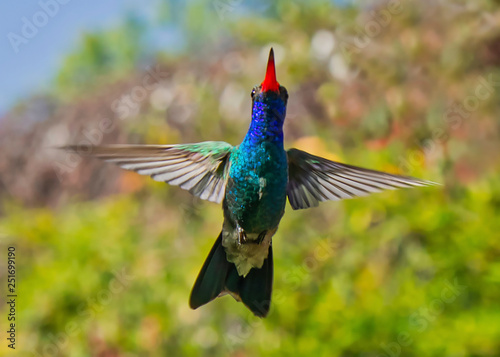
212, 277
218, 276
256, 287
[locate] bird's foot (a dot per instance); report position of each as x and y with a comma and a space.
242, 238
261, 237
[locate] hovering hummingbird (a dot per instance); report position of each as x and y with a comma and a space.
252, 180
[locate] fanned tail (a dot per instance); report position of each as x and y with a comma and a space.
218, 277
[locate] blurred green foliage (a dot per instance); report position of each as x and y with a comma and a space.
107, 261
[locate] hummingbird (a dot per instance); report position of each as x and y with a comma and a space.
252, 181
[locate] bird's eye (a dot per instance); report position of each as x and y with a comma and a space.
253, 93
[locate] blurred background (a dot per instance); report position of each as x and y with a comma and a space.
106, 258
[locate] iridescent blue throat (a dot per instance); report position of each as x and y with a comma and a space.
268, 115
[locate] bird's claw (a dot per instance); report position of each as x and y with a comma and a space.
242, 237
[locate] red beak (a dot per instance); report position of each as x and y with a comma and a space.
270, 83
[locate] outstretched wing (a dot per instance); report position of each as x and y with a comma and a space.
200, 168
313, 179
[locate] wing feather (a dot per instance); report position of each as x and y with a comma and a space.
200, 168
313, 179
